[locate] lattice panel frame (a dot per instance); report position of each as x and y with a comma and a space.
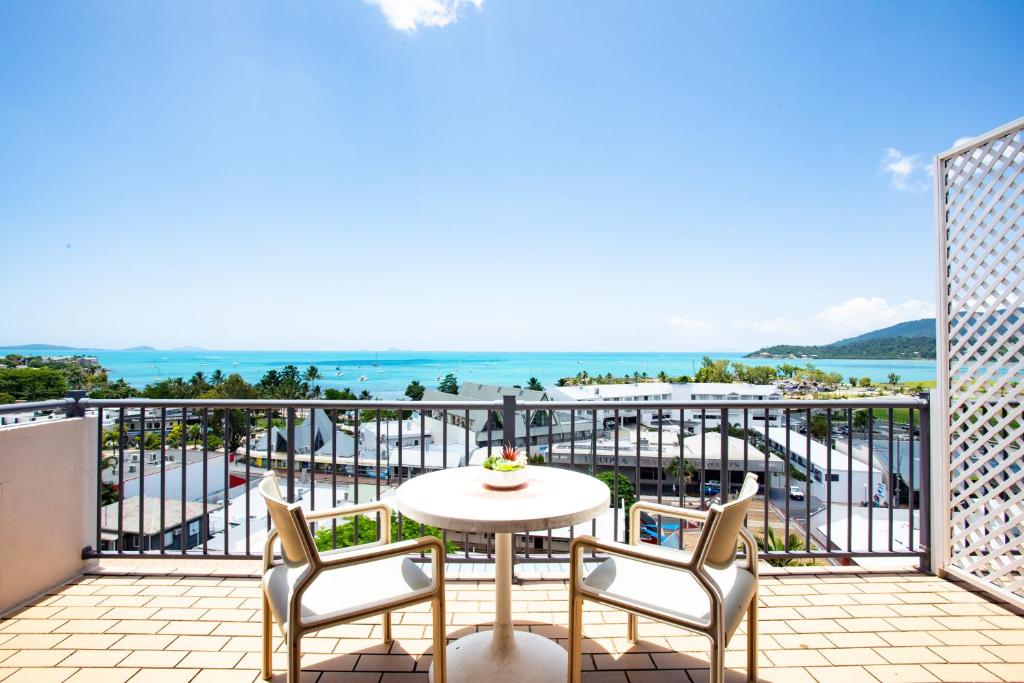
980, 221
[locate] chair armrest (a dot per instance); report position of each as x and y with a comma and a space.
652, 555
349, 511
352, 511
659, 509
750, 548
359, 555
268, 550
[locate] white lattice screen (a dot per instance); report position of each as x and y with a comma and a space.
980, 195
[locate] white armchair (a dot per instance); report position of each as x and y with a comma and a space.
309, 590
706, 591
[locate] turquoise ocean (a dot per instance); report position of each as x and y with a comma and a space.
388, 372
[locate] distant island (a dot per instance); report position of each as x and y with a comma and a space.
911, 340
59, 347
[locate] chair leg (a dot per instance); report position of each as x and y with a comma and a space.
440, 641
752, 640
386, 624
268, 640
294, 657
717, 660
575, 674
632, 629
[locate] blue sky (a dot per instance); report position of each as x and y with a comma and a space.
495, 174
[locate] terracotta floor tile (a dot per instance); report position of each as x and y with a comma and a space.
851, 656
961, 672
32, 675
90, 641
95, 658
34, 658
164, 676
841, 674
210, 660
785, 675
153, 659
1007, 672
604, 662
99, 675
900, 673
219, 676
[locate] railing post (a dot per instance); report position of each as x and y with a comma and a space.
508, 421
290, 435
925, 498
74, 409
723, 457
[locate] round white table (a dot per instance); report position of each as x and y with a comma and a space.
456, 499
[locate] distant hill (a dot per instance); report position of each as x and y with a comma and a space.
140, 348
906, 341
42, 347
925, 327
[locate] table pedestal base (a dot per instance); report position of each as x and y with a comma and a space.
520, 658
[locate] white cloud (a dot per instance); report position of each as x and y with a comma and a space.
847, 319
905, 174
690, 327
858, 315
408, 15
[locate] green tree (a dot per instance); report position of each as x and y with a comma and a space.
311, 374
865, 382
33, 384
819, 426
852, 380
174, 435
339, 394
788, 370
755, 374
118, 389
152, 441
627, 494
347, 534
415, 390
714, 371
894, 379
534, 384
449, 385
6, 398
217, 378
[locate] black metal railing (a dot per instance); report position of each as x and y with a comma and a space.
839, 479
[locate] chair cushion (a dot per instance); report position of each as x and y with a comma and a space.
346, 590
673, 592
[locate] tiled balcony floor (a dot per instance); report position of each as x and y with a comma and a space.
195, 622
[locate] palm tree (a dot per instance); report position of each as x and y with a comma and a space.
689, 470
217, 378
534, 384
311, 374
773, 542
198, 383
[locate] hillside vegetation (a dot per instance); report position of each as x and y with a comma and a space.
906, 341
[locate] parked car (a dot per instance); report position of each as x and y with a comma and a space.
796, 493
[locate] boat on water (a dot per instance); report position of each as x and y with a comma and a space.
363, 378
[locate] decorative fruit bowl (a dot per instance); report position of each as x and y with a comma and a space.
505, 471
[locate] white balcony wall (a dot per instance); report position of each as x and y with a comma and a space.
47, 505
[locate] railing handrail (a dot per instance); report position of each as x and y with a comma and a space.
33, 406
822, 404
